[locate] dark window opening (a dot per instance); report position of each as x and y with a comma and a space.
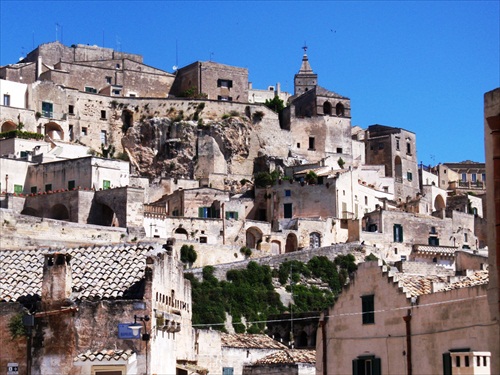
288, 193
71, 109
398, 233
339, 150
203, 239
339, 109
311, 143
287, 207
71, 184
368, 309
224, 83
103, 115
298, 145
48, 187
408, 148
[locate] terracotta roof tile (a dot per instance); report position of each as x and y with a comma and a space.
106, 271
288, 356
477, 278
106, 354
250, 341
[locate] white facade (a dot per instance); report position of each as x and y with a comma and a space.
13, 94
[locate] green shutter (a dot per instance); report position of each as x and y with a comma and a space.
446, 364
377, 367
200, 211
106, 184
227, 215
355, 367
235, 216
18, 189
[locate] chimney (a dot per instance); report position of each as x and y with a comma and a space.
56, 281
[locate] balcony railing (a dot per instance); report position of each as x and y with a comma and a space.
471, 185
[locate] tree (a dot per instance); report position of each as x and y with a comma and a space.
311, 177
188, 254
276, 104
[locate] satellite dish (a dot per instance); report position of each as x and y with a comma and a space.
174, 67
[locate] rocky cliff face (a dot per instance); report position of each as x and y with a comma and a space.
162, 146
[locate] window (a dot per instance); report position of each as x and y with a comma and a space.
6, 100
71, 109
474, 177
298, 145
90, 89
311, 143
433, 241
465, 237
397, 144
117, 92
224, 98
71, 133
232, 215
287, 208
224, 83
368, 309
408, 148
467, 361
132, 94
366, 200
103, 115
34, 190
47, 109
398, 233
433, 230
339, 150
18, 189
48, 187
227, 371
117, 66
409, 176
108, 370
104, 137
203, 239
84, 131
380, 146
457, 361
108, 79
483, 177
464, 177
366, 365
71, 184
106, 184
208, 212
288, 193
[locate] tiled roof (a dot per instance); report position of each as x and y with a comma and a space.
100, 272
249, 341
449, 250
477, 278
288, 356
417, 285
108, 355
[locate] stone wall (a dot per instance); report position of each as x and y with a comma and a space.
29, 232
13, 349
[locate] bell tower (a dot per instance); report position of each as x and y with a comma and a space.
305, 79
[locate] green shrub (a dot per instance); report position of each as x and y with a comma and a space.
188, 254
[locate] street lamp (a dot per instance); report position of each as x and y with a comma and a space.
136, 327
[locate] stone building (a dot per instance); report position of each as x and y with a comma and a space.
396, 149
318, 120
137, 293
289, 361
387, 323
461, 177
213, 81
491, 132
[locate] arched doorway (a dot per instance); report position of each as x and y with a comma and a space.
398, 169
339, 109
181, 234
105, 216
253, 238
59, 212
291, 243
439, 203
302, 340
54, 131
8, 126
327, 108
314, 240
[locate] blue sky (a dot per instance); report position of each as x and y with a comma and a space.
422, 66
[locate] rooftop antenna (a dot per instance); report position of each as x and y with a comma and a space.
211, 55
57, 32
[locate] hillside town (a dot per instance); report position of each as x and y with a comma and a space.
110, 169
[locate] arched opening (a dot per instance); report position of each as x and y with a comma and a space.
105, 216
54, 131
253, 238
275, 247
127, 119
291, 243
314, 240
30, 211
327, 108
302, 340
439, 203
398, 169
8, 126
339, 109
59, 212
181, 234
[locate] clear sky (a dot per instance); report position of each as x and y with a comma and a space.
422, 66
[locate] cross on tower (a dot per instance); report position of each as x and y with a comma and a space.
305, 47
